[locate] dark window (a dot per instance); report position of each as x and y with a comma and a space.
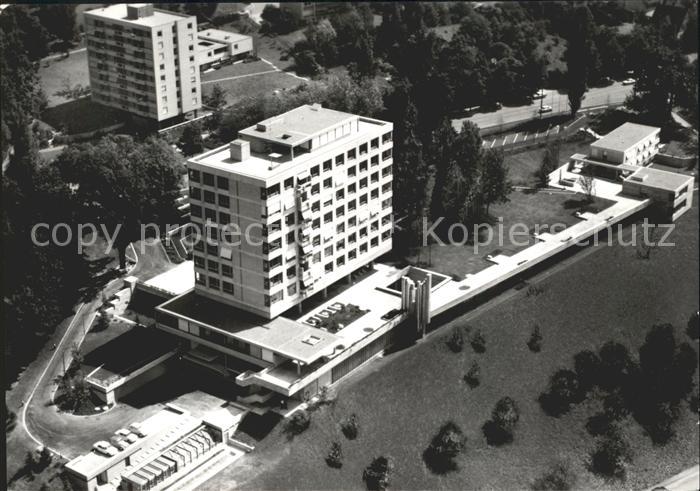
221, 182
208, 179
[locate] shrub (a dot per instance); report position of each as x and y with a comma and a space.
102, 321
473, 376
349, 427
299, 422
478, 341
456, 341
445, 446
504, 418
610, 456
558, 478
377, 475
535, 341
335, 456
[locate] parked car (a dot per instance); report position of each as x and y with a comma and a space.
628, 81
545, 109
137, 429
605, 82
540, 94
119, 442
391, 314
105, 449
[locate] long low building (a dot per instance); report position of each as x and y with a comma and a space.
216, 47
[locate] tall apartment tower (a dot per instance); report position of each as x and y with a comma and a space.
310, 193
143, 60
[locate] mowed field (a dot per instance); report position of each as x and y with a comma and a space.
596, 295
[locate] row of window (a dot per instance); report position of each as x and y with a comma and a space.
214, 282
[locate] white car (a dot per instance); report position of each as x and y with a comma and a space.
136, 428
545, 109
540, 94
628, 81
105, 449
119, 442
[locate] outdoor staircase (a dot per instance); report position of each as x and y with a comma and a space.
171, 251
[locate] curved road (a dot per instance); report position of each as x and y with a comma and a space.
595, 97
38, 421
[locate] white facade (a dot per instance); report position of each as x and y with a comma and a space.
310, 193
215, 46
631, 143
143, 60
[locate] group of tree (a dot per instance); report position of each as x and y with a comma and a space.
346, 37
276, 20
650, 389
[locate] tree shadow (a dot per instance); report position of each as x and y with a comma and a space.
495, 435
438, 464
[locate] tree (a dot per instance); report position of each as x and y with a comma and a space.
693, 329
535, 341
377, 475
298, 423
191, 142
580, 55
306, 62
277, 20
564, 390
550, 162
335, 456
59, 20
445, 446
495, 185
216, 98
321, 41
610, 456
587, 183
123, 184
473, 376
504, 418
588, 369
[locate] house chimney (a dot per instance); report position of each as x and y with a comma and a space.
240, 150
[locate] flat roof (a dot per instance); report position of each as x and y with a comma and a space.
176, 280
119, 12
93, 463
283, 336
586, 159
625, 136
660, 179
298, 125
220, 36
258, 166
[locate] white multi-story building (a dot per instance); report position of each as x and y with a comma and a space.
143, 60
630, 143
296, 203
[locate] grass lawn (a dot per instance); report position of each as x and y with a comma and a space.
544, 210
522, 166
81, 115
53, 75
275, 48
254, 86
236, 70
401, 400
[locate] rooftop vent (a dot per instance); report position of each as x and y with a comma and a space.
311, 339
240, 150
638, 178
139, 10
266, 126
316, 106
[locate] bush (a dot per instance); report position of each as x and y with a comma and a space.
335, 456
456, 341
445, 446
535, 341
298, 423
473, 376
478, 342
558, 478
610, 456
350, 428
587, 368
377, 475
504, 418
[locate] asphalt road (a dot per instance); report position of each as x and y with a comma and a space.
601, 96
